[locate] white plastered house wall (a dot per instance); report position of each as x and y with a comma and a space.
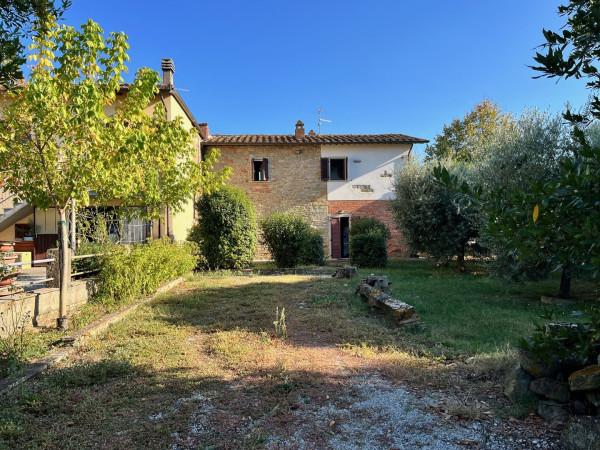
372, 165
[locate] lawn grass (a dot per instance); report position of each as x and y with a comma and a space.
208, 350
466, 314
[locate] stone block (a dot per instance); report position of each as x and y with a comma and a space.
537, 367
587, 379
551, 389
516, 387
553, 412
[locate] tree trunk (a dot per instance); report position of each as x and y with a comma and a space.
565, 282
460, 261
64, 260
73, 226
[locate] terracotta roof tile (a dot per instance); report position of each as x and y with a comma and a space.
333, 139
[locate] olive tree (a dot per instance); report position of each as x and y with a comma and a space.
67, 136
433, 218
510, 181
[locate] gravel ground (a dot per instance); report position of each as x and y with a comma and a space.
370, 414
379, 415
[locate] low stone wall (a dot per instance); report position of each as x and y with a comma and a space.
40, 307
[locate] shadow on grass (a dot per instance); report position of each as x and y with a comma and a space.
114, 404
462, 315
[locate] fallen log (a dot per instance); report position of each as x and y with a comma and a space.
402, 312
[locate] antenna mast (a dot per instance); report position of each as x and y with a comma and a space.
320, 120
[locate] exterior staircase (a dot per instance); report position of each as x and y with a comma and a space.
12, 210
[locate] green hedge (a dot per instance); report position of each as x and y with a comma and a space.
312, 249
291, 241
368, 250
226, 230
131, 272
368, 242
365, 225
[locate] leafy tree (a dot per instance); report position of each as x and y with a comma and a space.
226, 229
432, 216
510, 181
66, 135
574, 52
465, 139
17, 19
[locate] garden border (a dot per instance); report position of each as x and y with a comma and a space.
76, 339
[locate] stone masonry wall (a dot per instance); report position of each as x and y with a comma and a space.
377, 209
295, 183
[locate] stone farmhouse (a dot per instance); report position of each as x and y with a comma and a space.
329, 179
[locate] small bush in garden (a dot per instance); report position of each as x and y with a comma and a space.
226, 229
312, 252
130, 272
369, 249
365, 225
290, 239
567, 346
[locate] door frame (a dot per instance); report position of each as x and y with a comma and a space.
337, 216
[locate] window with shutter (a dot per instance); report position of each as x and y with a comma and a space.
338, 169
324, 169
260, 169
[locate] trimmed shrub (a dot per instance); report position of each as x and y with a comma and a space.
368, 249
226, 229
130, 272
365, 225
312, 250
290, 240
368, 242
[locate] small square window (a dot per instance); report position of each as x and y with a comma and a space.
334, 169
260, 169
337, 169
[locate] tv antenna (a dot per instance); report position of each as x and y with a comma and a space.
320, 120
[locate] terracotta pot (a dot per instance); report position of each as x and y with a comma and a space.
9, 259
6, 247
7, 281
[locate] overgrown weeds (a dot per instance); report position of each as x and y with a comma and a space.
13, 322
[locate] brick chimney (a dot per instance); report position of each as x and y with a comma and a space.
168, 70
299, 130
204, 131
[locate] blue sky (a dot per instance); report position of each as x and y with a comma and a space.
375, 66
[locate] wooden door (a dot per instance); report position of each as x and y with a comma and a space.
336, 238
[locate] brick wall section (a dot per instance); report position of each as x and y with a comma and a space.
295, 183
378, 209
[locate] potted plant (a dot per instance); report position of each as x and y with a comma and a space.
7, 274
7, 257
6, 246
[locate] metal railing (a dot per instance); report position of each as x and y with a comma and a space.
48, 261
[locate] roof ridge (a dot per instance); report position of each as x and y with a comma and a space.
290, 139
